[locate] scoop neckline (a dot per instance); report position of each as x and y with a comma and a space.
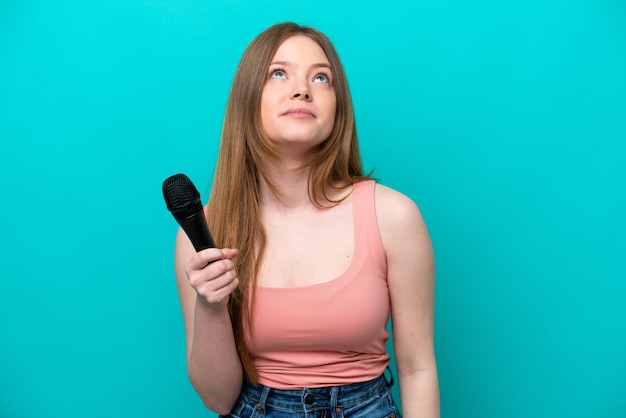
355, 251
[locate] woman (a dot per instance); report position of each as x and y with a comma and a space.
287, 317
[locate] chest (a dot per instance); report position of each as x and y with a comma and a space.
306, 248
348, 314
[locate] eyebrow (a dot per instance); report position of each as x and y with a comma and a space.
317, 65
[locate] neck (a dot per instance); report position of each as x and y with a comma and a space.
291, 182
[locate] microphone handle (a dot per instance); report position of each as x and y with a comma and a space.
198, 232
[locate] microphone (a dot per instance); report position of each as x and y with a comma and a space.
183, 200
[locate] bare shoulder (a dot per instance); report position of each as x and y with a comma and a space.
401, 225
396, 212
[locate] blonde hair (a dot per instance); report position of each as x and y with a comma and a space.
233, 208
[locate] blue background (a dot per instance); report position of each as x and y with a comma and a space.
504, 121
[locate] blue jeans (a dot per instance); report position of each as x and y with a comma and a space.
358, 400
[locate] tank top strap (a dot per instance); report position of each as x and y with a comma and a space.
366, 232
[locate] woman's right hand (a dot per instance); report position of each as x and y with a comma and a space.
211, 273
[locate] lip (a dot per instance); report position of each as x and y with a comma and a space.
299, 112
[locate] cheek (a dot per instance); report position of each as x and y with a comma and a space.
270, 95
332, 111
266, 110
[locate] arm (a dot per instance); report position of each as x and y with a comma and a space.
213, 364
410, 276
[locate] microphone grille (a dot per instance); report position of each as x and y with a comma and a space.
181, 196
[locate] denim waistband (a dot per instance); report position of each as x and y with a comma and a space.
312, 398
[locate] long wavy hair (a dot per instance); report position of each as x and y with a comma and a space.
233, 210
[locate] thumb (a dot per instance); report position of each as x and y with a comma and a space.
230, 253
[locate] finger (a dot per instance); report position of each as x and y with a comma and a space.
204, 257
219, 267
220, 282
218, 290
230, 252
225, 291
210, 273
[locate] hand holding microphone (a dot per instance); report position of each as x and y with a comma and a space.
210, 271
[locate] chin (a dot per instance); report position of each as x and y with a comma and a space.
299, 140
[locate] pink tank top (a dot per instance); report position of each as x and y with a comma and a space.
330, 333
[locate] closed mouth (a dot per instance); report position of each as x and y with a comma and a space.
299, 111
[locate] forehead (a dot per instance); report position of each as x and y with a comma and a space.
300, 48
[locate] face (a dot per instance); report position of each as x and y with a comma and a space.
298, 100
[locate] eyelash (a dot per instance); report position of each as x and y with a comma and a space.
275, 70
325, 76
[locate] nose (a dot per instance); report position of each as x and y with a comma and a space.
301, 92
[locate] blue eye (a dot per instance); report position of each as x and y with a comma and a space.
277, 74
321, 78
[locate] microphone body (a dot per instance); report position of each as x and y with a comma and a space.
198, 232
183, 201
